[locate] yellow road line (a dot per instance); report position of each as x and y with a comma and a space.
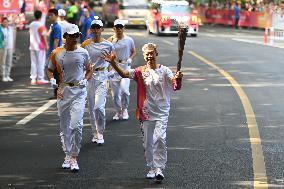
260, 178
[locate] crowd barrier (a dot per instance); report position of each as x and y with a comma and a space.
226, 17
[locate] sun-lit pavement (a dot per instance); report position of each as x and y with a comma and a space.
209, 140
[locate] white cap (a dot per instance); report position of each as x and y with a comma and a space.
98, 22
119, 22
61, 12
72, 29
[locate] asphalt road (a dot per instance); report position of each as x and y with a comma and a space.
212, 138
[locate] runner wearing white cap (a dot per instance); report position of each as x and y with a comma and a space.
71, 62
97, 85
62, 22
125, 52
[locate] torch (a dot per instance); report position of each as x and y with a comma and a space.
182, 33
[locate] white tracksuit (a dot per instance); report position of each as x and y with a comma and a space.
6, 53
120, 86
37, 49
154, 90
71, 66
97, 84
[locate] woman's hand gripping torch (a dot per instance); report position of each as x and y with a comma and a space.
182, 33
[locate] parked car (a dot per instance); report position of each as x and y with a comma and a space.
135, 12
164, 17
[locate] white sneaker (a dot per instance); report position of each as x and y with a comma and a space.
125, 115
116, 116
94, 139
100, 139
66, 163
4, 79
33, 82
159, 176
151, 174
74, 165
9, 78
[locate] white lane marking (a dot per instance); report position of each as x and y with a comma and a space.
168, 42
36, 113
257, 42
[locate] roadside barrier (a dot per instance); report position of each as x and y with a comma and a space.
276, 31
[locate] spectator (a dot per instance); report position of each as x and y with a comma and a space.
72, 12
8, 46
38, 45
86, 25
236, 15
62, 22
55, 38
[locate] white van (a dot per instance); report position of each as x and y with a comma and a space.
134, 11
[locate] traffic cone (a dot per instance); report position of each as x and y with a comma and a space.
266, 36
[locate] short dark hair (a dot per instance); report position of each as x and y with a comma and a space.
4, 18
54, 11
37, 14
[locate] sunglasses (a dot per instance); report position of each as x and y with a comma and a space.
75, 35
96, 26
119, 26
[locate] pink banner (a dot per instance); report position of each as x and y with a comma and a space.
30, 4
226, 17
9, 6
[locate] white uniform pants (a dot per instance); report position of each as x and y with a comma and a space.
71, 112
97, 91
154, 143
6, 58
120, 93
37, 64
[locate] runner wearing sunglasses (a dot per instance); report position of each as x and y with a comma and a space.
97, 85
71, 62
125, 52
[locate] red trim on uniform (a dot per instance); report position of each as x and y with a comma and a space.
141, 93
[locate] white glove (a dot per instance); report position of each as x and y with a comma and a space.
110, 74
129, 61
53, 83
83, 83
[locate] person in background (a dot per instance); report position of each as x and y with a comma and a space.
62, 22
55, 39
42, 6
72, 11
8, 31
71, 63
38, 46
125, 52
58, 4
154, 86
97, 84
236, 15
2, 52
86, 25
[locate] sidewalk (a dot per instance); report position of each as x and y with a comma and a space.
246, 35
